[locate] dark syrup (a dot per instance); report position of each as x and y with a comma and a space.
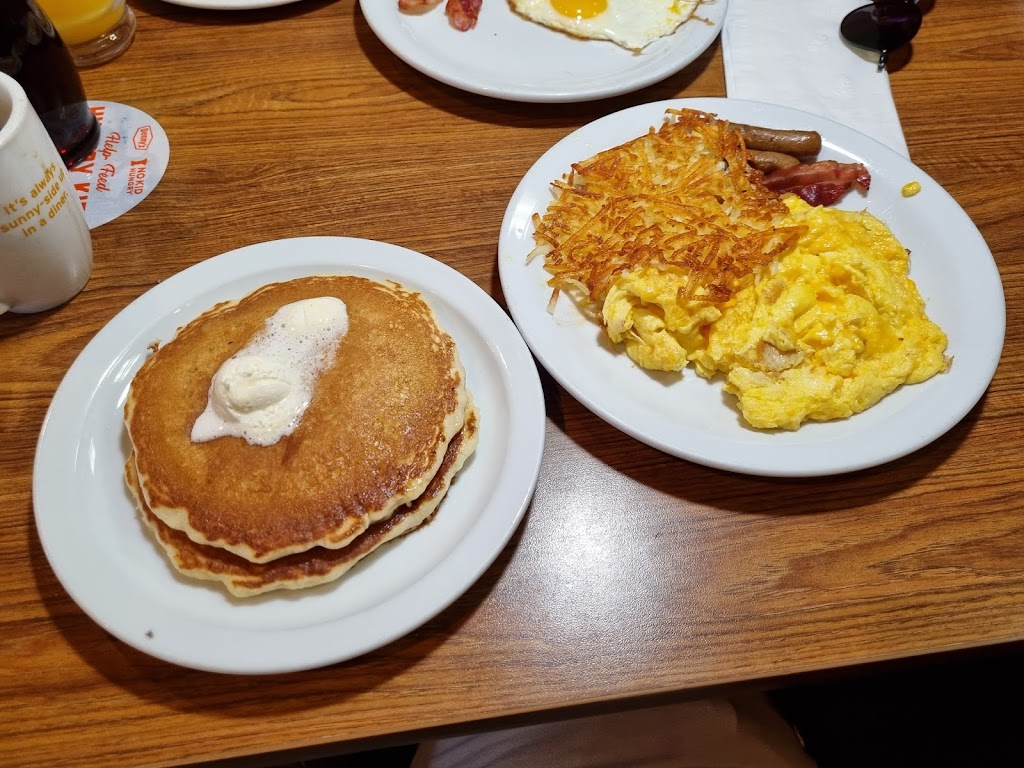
32, 53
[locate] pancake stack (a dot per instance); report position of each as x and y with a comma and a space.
389, 424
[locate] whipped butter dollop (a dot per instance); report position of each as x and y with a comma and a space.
261, 392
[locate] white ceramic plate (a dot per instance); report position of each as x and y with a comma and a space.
110, 566
509, 57
230, 5
692, 418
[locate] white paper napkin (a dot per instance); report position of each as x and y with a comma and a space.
789, 52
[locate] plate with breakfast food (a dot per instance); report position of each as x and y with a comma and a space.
547, 50
288, 455
751, 287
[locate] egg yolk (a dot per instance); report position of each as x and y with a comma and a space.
580, 9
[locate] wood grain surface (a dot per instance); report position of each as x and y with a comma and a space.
635, 577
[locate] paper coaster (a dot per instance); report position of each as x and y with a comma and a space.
128, 163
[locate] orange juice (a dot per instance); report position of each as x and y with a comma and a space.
82, 21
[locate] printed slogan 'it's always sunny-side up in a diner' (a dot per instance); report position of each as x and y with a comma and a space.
29, 213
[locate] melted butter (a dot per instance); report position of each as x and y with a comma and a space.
261, 392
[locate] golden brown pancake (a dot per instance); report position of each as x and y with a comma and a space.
374, 434
314, 566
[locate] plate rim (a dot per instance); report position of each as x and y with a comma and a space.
375, 19
230, 5
515, 373
512, 265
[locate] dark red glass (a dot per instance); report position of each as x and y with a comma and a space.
32, 53
882, 26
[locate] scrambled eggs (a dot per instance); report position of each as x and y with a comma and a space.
835, 325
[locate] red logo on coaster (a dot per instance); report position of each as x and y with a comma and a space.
143, 137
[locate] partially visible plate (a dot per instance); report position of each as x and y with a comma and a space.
691, 417
509, 57
106, 560
230, 5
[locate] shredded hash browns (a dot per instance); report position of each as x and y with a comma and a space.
678, 198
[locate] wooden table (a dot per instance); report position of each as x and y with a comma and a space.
635, 577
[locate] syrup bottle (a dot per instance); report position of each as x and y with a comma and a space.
32, 53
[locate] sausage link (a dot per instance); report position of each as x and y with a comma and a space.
767, 161
796, 143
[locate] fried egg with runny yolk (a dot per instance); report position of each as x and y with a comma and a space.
632, 24
833, 327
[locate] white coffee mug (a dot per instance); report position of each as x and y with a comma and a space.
45, 247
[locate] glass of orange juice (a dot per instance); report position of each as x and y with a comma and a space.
95, 30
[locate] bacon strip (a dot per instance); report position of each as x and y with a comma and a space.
408, 5
820, 183
462, 13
